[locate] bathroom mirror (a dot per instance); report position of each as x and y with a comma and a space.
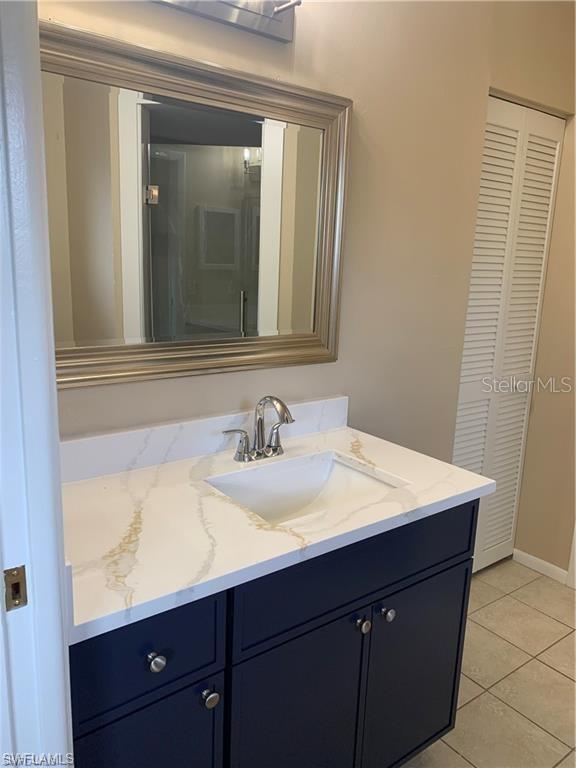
194, 213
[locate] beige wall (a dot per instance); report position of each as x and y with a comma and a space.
419, 75
88, 171
546, 515
533, 52
55, 152
81, 137
305, 229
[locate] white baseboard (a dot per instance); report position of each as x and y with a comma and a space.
543, 567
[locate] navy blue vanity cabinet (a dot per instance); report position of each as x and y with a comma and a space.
112, 670
366, 691
275, 607
179, 730
352, 660
296, 706
414, 667
151, 693
346, 660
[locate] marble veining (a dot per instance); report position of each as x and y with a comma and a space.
120, 561
356, 450
147, 539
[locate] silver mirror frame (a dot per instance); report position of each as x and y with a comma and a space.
69, 51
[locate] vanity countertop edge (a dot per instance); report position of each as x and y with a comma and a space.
145, 540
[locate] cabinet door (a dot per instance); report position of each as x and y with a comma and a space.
414, 666
296, 705
179, 730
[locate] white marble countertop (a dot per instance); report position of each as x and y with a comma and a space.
142, 541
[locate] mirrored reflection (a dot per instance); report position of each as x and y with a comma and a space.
170, 221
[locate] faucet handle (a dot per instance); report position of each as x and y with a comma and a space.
274, 445
243, 452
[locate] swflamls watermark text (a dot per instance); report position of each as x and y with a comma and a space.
42, 758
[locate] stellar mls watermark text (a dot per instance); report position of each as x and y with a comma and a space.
510, 384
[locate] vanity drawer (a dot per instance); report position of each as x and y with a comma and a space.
112, 669
266, 608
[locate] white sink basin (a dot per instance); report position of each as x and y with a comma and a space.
280, 490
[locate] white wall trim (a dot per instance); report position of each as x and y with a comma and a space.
571, 578
35, 709
270, 225
130, 149
542, 566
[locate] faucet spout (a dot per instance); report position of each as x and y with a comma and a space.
284, 417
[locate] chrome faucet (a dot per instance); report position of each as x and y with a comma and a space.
261, 448
273, 447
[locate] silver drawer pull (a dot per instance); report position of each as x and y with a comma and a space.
364, 625
388, 613
157, 662
210, 698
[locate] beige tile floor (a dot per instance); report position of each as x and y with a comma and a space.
517, 690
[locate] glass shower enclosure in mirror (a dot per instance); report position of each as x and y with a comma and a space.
195, 213
172, 221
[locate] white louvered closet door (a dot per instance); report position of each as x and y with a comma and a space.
517, 186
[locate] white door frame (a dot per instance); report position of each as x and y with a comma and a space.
270, 225
34, 700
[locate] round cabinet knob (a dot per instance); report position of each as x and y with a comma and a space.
388, 613
210, 698
364, 625
157, 662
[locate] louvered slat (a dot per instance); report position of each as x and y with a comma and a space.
528, 259
470, 437
504, 465
490, 244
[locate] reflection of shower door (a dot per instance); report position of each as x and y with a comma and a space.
167, 244
204, 241
251, 260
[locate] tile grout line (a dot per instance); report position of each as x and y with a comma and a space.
509, 594
489, 689
532, 658
537, 658
507, 675
562, 759
471, 618
477, 696
523, 714
537, 725
458, 753
484, 605
508, 560
538, 609
508, 641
